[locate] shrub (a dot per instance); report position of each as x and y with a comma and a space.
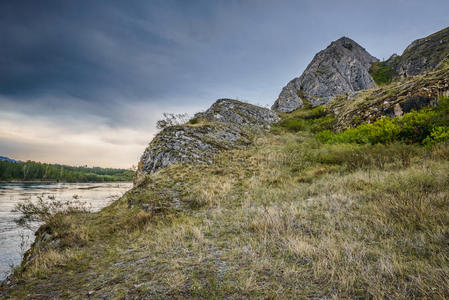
47, 211
438, 135
427, 126
383, 130
417, 125
172, 120
193, 121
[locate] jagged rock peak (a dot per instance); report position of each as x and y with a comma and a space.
238, 113
340, 68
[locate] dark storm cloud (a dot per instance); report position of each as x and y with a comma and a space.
103, 50
117, 65
77, 48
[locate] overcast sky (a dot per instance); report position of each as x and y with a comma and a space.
83, 82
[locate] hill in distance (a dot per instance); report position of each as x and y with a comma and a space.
9, 159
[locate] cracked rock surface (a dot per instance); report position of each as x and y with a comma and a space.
225, 125
340, 68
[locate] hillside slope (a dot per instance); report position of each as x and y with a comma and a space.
286, 217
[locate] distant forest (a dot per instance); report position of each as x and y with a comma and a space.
35, 171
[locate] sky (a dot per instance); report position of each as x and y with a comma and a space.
84, 82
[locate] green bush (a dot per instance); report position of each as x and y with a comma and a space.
417, 125
384, 130
382, 73
193, 121
438, 135
427, 126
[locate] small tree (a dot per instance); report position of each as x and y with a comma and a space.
170, 119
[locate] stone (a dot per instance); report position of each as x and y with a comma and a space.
239, 113
343, 67
187, 143
227, 124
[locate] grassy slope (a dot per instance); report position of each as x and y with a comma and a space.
289, 217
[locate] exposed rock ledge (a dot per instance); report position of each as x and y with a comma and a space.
225, 125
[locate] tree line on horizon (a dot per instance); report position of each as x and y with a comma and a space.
36, 171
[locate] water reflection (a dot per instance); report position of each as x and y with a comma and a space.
96, 195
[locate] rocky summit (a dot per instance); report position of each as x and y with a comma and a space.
340, 68
225, 125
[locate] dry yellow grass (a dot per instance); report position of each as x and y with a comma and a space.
288, 218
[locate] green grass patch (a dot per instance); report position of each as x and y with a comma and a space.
308, 119
382, 73
426, 126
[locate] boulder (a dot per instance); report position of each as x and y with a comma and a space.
226, 125
239, 113
340, 68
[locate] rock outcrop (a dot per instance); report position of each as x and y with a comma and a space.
392, 100
226, 125
238, 113
340, 68
422, 55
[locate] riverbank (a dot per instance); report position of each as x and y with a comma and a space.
14, 240
55, 181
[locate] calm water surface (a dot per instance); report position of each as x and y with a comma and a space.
13, 238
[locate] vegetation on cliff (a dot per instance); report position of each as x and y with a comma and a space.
427, 126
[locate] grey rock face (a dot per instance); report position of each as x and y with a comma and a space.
423, 54
185, 143
340, 68
225, 125
239, 113
288, 99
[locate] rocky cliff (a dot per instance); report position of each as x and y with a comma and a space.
227, 124
340, 68
422, 55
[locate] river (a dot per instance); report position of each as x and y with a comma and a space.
14, 240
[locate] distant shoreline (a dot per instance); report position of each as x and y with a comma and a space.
54, 181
